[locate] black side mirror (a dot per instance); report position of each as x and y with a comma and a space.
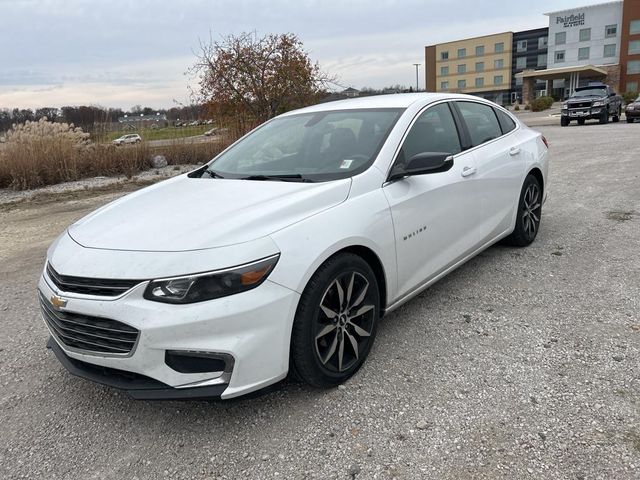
422, 164
612, 94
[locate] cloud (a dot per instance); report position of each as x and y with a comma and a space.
125, 52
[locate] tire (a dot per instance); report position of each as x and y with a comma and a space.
616, 117
529, 214
629, 120
341, 297
564, 122
604, 118
581, 121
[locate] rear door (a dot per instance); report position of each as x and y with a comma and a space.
499, 164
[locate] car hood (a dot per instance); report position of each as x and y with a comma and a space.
185, 213
585, 100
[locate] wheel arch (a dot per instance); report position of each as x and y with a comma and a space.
375, 263
537, 173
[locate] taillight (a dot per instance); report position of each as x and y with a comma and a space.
544, 140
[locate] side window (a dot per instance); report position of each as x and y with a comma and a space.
506, 123
434, 131
481, 122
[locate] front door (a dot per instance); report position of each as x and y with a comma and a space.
435, 216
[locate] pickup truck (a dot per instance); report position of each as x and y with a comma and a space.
597, 102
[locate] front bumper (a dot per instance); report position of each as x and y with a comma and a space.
583, 113
635, 113
252, 327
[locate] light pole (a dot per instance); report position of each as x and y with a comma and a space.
417, 65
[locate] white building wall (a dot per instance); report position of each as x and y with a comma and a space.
596, 17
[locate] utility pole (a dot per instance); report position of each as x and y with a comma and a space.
417, 65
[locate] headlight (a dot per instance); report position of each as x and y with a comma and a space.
209, 285
565, 106
598, 104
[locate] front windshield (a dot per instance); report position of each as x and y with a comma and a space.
309, 146
590, 92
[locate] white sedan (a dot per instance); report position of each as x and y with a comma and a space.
281, 255
130, 139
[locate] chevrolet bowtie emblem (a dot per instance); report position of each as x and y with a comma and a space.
58, 302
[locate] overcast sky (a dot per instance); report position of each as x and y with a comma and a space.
125, 52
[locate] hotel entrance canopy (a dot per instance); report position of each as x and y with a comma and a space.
573, 73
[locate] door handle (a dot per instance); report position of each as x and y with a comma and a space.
514, 151
468, 171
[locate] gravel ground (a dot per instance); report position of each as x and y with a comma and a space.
521, 364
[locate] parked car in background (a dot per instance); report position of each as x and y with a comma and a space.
131, 138
282, 253
212, 132
597, 102
632, 111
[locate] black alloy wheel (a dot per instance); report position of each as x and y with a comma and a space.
335, 323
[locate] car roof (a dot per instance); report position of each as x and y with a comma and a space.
396, 100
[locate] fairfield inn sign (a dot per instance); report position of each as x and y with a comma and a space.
573, 20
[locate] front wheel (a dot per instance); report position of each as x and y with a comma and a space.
335, 323
616, 117
564, 121
529, 214
629, 120
604, 117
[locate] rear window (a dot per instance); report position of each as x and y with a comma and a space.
481, 122
506, 123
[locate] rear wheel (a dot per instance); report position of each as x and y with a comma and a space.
564, 121
581, 121
629, 120
335, 323
529, 214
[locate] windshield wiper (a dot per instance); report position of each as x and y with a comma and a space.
212, 173
283, 178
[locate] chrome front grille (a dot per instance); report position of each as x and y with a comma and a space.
92, 334
90, 286
580, 105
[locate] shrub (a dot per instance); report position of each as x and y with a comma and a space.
44, 153
541, 103
527, 107
629, 97
517, 108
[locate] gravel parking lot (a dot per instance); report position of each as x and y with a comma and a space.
521, 364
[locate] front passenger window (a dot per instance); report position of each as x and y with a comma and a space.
433, 131
481, 122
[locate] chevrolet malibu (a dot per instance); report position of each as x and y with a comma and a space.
281, 255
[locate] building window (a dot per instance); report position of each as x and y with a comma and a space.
479, 50
522, 46
444, 55
632, 86
479, 82
542, 60
610, 50
634, 27
462, 52
498, 79
444, 71
561, 38
585, 34
543, 42
633, 67
634, 47
462, 84
499, 47
444, 85
559, 56
479, 66
521, 63
519, 81
462, 68
498, 64
610, 31
583, 53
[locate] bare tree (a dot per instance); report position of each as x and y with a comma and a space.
258, 77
